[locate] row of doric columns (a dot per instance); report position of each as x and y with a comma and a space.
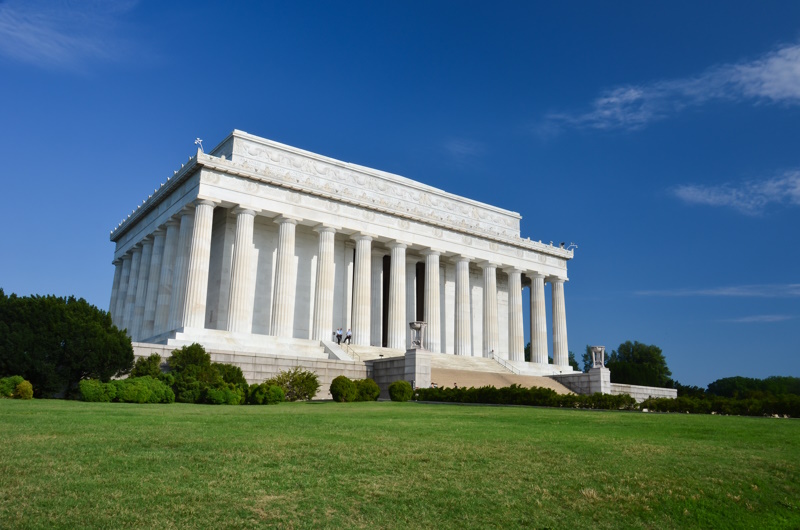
161, 285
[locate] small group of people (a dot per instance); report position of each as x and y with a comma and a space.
347, 338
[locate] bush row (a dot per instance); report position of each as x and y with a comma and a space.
131, 390
345, 390
783, 405
191, 377
16, 387
518, 395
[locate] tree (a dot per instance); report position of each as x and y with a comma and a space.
572, 362
54, 342
635, 363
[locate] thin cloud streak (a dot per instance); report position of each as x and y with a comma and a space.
60, 34
462, 151
750, 198
789, 290
759, 319
771, 78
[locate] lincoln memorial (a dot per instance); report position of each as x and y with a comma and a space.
262, 249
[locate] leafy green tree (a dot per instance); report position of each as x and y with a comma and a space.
635, 363
572, 362
54, 342
150, 365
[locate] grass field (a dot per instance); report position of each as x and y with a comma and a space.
390, 465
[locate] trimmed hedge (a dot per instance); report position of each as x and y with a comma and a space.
518, 395
368, 390
343, 389
401, 391
132, 390
782, 405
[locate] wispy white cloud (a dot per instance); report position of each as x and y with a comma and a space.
786, 290
750, 197
60, 33
773, 77
759, 319
462, 150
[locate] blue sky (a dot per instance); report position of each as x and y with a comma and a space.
662, 138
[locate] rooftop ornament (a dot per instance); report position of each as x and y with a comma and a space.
418, 328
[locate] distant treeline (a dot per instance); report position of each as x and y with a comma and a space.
744, 387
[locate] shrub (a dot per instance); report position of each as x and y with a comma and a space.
343, 389
192, 355
24, 390
275, 395
9, 384
147, 366
265, 394
368, 390
95, 391
297, 384
231, 374
228, 394
400, 391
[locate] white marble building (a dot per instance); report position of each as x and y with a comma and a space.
263, 248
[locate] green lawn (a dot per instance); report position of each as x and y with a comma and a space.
390, 465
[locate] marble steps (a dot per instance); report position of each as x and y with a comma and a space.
444, 377
460, 362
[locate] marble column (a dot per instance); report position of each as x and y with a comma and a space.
323, 296
346, 321
112, 305
432, 309
538, 320
376, 328
141, 288
516, 333
130, 294
285, 279
396, 336
165, 287
463, 327
181, 271
491, 333
560, 346
153, 283
362, 283
240, 304
119, 310
194, 308
411, 296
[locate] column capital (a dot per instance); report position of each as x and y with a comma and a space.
137, 247
117, 261
430, 252
247, 210
394, 243
460, 258
378, 252
485, 264
281, 219
158, 231
535, 274
172, 222
322, 227
555, 279
513, 270
205, 202
360, 236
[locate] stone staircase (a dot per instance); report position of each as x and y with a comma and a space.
472, 364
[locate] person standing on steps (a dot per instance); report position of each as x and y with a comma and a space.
349, 338
339, 336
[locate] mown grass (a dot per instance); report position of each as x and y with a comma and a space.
390, 465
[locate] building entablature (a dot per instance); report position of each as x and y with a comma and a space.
306, 175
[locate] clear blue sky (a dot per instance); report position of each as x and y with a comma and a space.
662, 138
